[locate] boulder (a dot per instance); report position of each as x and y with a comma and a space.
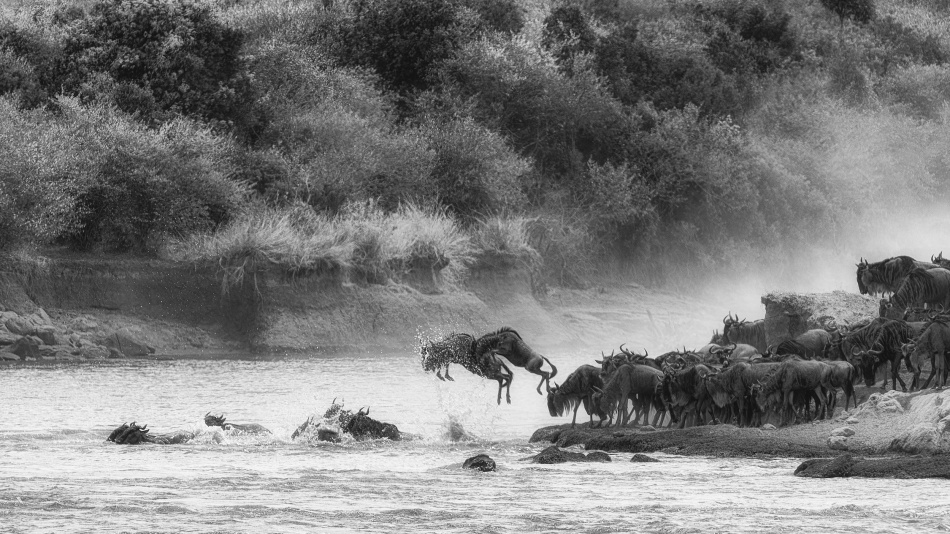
768, 426
83, 324
7, 338
20, 326
26, 347
642, 458
554, 455
125, 342
8, 356
481, 462
852, 420
838, 443
790, 314
49, 336
58, 352
94, 352
822, 468
843, 431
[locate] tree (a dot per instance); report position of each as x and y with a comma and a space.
861, 11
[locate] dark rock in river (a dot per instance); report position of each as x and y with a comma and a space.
642, 458
848, 466
481, 462
554, 455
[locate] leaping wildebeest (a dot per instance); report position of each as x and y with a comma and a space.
481, 357
461, 349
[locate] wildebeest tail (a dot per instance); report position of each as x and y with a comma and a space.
553, 368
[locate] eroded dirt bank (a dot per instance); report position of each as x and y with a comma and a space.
179, 310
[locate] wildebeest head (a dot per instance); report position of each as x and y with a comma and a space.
867, 361
862, 269
129, 434
214, 420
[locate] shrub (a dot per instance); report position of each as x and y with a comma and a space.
37, 186
400, 39
567, 33
861, 11
140, 184
558, 120
18, 79
475, 172
923, 90
175, 51
499, 15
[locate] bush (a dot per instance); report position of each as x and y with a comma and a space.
399, 39
861, 11
475, 173
559, 121
923, 90
140, 184
38, 177
499, 15
567, 33
19, 80
176, 52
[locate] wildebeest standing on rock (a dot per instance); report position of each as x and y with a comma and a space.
641, 384
736, 331
886, 276
933, 343
577, 389
923, 287
805, 377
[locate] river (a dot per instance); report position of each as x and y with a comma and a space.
59, 474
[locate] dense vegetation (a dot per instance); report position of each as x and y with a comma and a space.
373, 136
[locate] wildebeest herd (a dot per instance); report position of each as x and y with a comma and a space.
738, 378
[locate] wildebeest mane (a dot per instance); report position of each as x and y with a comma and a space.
886, 276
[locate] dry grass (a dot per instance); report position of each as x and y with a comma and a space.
363, 241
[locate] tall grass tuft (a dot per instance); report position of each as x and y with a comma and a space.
362, 241
504, 242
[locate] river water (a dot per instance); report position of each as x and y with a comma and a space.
59, 474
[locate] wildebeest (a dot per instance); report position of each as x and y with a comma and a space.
843, 375
923, 287
507, 343
246, 428
638, 383
940, 261
932, 343
886, 276
133, 434
362, 427
736, 331
577, 389
463, 349
809, 345
806, 377
686, 389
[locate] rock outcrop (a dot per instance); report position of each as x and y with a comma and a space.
480, 462
789, 314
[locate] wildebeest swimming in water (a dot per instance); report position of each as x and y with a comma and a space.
338, 420
133, 434
246, 428
480, 357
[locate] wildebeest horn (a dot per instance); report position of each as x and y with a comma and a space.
645, 353
597, 389
601, 362
876, 352
727, 318
852, 351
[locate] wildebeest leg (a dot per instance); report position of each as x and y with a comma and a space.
576, 406
447, 377
933, 370
895, 374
